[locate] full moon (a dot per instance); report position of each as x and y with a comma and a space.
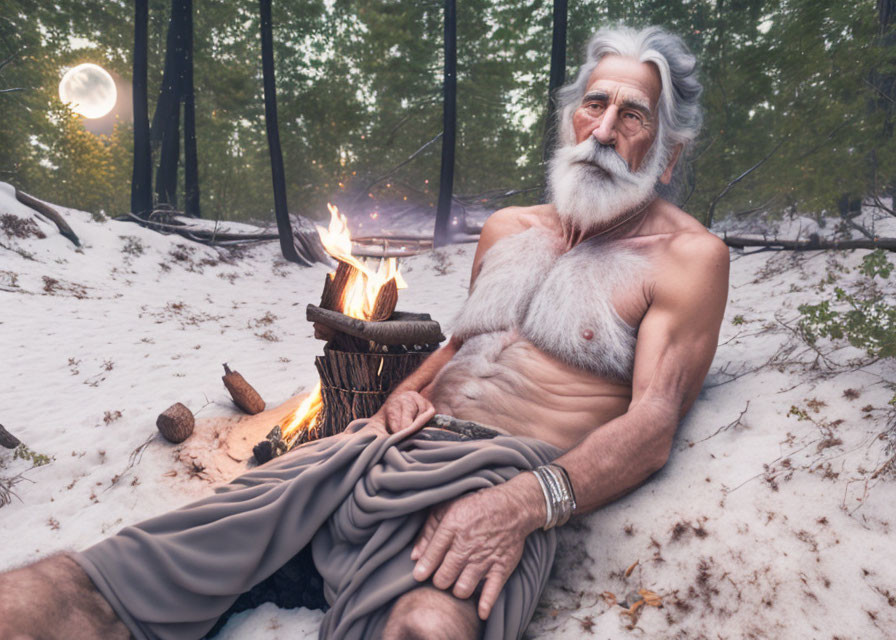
89, 90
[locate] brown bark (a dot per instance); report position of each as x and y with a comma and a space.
48, 212
385, 302
401, 329
243, 394
176, 423
814, 243
334, 287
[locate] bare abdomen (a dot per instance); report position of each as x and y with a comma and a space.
502, 380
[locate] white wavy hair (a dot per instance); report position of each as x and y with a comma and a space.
680, 115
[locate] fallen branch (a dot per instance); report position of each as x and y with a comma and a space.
308, 246
50, 213
814, 243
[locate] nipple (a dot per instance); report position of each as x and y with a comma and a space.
587, 334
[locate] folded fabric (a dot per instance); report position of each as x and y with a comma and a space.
359, 498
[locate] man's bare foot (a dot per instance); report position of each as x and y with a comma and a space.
54, 599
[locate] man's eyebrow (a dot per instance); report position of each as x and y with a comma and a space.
628, 103
596, 95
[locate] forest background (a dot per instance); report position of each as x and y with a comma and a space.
799, 91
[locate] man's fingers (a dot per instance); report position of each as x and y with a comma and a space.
422, 403
423, 418
494, 582
435, 551
468, 581
426, 534
450, 569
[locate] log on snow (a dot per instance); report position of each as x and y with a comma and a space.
50, 213
814, 243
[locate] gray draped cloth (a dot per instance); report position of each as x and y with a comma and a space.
360, 498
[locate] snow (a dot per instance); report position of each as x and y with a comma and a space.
767, 522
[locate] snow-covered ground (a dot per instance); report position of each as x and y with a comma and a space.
774, 517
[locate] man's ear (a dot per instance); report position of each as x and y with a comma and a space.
666, 178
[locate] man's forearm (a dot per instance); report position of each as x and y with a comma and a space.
613, 460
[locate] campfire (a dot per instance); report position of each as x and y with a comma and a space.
369, 348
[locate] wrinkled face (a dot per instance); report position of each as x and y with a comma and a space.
611, 168
619, 108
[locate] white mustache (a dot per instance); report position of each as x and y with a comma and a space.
590, 151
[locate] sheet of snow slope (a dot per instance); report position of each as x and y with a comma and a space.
764, 524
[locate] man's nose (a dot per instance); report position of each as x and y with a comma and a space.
605, 132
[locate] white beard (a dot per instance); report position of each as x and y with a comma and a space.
592, 187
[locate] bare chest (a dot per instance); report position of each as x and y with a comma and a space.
582, 306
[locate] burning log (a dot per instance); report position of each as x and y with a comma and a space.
385, 303
176, 423
334, 286
243, 394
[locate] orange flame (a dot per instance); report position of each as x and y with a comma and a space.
363, 287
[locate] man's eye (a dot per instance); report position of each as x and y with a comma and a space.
594, 106
634, 116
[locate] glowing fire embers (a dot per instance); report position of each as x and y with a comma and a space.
363, 285
305, 416
360, 291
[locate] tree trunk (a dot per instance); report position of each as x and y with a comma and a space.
191, 162
278, 175
166, 120
557, 78
449, 127
141, 179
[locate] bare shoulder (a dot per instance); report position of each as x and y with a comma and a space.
513, 220
691, 264
691, 247
508, 222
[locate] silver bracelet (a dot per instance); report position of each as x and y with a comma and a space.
559, 497
549, 511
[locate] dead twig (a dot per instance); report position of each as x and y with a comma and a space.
733, 183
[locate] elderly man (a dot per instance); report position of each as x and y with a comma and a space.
590, 326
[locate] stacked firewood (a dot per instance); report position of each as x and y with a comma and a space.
364, 360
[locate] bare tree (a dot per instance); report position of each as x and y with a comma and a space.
449, 127
141, 180
278, 175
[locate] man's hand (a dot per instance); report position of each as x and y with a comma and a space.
402, 410
475, 537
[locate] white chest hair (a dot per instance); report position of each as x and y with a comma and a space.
561, 302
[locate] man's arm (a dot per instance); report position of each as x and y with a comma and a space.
676, 343
481, 536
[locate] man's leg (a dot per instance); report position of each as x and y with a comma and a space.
53, 598
427, 613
